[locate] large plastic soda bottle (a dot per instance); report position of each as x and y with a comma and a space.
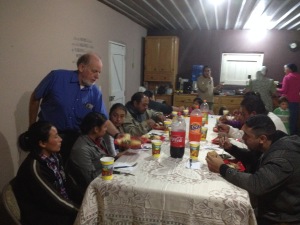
177, 142
204, 110
195, 125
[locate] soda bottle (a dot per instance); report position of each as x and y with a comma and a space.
177, 142
204, 110
195, 125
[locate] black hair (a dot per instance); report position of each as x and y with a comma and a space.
292, 67
117, 106
137, 97
253, 103
199, 100
91, 120
38, 131
261, 125
283, 99
221, 110
205, 68
148, 93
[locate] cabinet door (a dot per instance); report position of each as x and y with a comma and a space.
167, 55
151, 55
183, 100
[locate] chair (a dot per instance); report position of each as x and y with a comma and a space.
10, 203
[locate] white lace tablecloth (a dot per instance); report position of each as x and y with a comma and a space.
165, 191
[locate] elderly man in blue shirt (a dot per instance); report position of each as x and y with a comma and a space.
65, 97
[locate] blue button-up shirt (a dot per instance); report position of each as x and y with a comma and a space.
64, 102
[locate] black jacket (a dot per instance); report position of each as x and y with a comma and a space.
39, 200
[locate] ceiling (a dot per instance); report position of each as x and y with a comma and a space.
205, 15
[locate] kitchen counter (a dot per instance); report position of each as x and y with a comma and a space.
231, 102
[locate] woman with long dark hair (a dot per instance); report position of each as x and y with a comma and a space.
40, 184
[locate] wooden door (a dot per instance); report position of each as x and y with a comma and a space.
166, 55
151, 55
116, 73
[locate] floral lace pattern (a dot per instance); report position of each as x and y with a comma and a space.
164, 191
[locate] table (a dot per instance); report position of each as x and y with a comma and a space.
166, 191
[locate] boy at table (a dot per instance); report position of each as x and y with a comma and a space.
274, 179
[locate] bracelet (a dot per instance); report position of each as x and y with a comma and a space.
116, 135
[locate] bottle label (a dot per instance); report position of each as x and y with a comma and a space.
177, 139
205, 117
195, 128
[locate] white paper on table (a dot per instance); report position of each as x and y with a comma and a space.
195, 165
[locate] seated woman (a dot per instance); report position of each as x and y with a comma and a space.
40, 184
84, 164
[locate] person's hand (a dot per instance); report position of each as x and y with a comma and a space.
151, 123
181, 108
223, 119
161, 118
223, 128
214, 163
224, 141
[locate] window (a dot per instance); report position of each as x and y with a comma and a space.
236, 67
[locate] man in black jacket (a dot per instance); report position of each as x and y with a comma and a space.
275, 174
161, 107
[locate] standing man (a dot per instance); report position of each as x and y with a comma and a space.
65, 97
206, 87
291, 90
273, 182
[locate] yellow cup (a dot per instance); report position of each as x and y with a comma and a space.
174, 114
203, 133
194, 149
186, 112
156, 147
107, 167
167, 124
225, 112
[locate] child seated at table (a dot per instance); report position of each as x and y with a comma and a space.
283, 112
196, 103
232, 121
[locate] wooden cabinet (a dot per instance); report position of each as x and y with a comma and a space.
161, 56
185, 100
230, 102
161, 62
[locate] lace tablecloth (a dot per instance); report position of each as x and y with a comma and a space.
165, 191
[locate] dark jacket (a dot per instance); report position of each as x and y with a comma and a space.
39, 200
160, 107
274, 181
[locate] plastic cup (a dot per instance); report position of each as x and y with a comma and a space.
225, 112
167, 124
203, 133
156, 147
186, 112
174, 114
194, 149
107, 167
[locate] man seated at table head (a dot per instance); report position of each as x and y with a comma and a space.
274, 183
161, 107
139, 119
252, 104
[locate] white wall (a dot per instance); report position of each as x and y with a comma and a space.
38, 36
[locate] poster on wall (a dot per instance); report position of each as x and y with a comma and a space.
80, 46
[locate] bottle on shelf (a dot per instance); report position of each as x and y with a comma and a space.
195, 125
204, 107
177, 141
